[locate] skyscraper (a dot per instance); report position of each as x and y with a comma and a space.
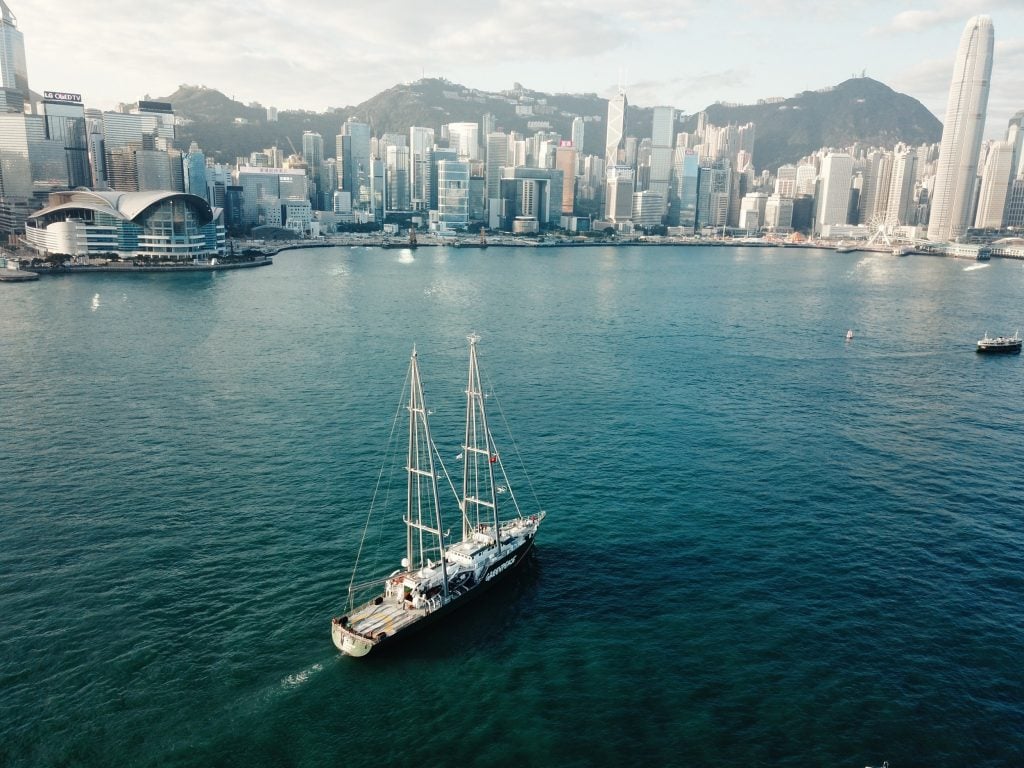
13, 72
995, 186
962, 132
615, 141
834, 200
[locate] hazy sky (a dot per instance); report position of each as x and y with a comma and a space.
316, 54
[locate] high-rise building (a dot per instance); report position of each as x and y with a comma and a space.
420, 141
778, 213
615, 137
714, 185
900, 197
578, 133
497, 158
148, 127
452, 194
834, 198
660, 163
195, 172
618, 196
565, 161
995, 186
13, 71
955, 178
465, 139
65, 123
396, 162
785, 181
682, 209
313, 155
874, 192
354, 144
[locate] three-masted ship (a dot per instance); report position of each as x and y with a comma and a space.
437, 576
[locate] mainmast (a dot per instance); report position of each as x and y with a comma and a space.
422, 508
479, 503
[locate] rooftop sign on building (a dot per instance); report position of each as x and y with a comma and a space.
61, 97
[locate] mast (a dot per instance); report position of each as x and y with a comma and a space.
479, 458
422, 508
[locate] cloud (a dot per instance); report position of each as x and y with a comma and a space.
951, 11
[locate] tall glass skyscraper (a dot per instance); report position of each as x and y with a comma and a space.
615, 138
13, 71
953, 196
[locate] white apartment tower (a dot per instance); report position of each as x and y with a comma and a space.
962, 131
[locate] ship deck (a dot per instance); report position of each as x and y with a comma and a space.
388, 617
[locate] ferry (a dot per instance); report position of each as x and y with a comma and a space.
1000, 345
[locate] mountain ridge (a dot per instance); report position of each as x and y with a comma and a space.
857, 110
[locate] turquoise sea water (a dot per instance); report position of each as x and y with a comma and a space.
766, 546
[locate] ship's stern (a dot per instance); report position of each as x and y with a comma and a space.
347, 641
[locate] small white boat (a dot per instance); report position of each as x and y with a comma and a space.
849, 335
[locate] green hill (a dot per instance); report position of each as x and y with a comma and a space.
858, 110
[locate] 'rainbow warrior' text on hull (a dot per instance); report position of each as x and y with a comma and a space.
436, 577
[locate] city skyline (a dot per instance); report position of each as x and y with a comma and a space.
663, 56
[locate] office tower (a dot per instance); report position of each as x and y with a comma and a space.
806, 176
682, 206
488, 125
1015, 135
953, 193
313, 156
995, 186
377, 198
648, 209
65, 123
1015, 204
13, 71
615, 136
533, 194
420, 141
436, 155
497, 158
785, 181
778, 213
465, 138
355, 161
452, 194
753, 209
714, 184
148, 127
660, 163
195, 172
618, 196
396, 161
263, 190
31, 165
834, 197
218, 179
591, 181
565, 161
874, 194
900, 197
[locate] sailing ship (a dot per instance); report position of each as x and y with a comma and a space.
436, 576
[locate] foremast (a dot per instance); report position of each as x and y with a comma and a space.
479, 501
423, 512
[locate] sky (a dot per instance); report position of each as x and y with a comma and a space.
316, 54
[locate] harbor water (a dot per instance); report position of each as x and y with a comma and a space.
766, 545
